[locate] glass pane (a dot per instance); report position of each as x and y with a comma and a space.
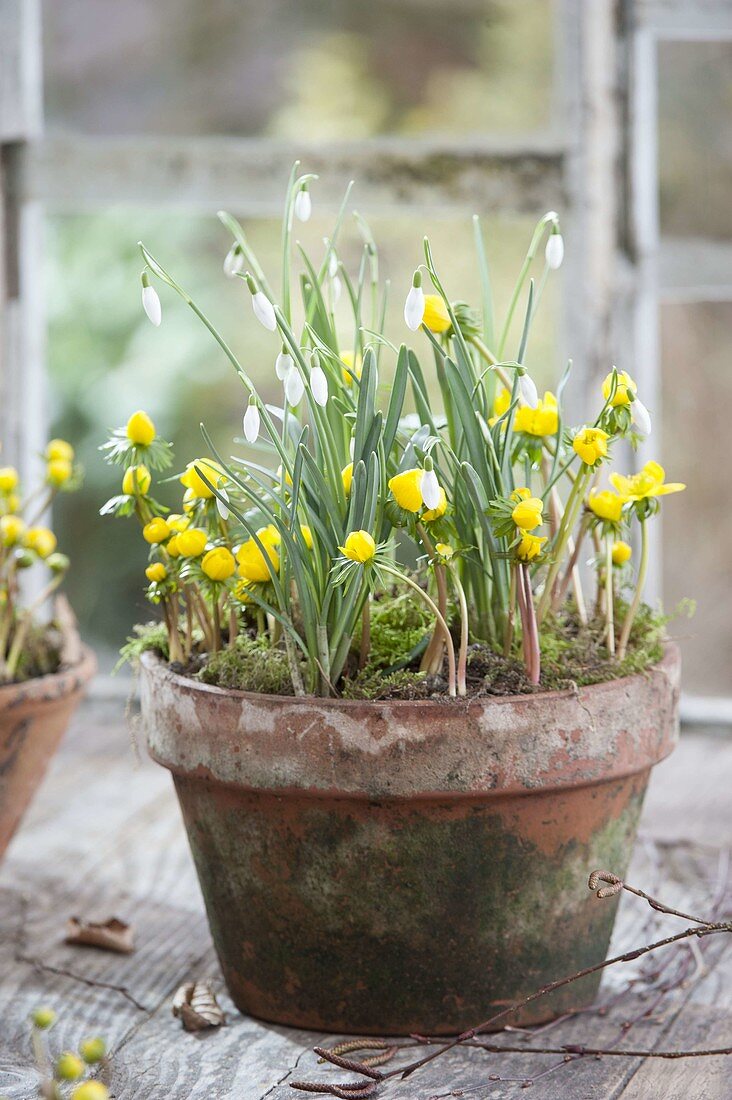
106, 360
695, 138
297, 68
697, 531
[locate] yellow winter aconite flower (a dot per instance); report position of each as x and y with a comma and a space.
58, 472
42, 540
436, 513
406, 489
541, 421
157, 530
218, 564
136, 477
621, 552
12, 529
252, 562
435, 315
359, 546
591, 445
189, 500
522, 493
8, 479
501, 402
625, 388
194, 481
59, 448
140, 429
192, 542
347, 478
307, 535
650, 482
444, 550
354, 364
530, 546
528, 513
156, 572
172, 547
177, 522
606, 505
90, 1090
269, 535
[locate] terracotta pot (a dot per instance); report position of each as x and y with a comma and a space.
394, 867
33, 718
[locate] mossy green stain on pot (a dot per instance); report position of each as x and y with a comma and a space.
389, 869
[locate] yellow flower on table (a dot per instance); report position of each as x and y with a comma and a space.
406, 488
435, 315
252, 562
606, 504
41, 540
650, 482
136, 478
621, 552
140, 429
193, 480
156, 572
219, 564
528, 513
359, 546
530, 546
541, 421
591, 445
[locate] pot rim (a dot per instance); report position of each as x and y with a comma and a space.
65, 681
155, 663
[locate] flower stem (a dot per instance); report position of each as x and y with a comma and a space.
633, 609
609, 603
438, 616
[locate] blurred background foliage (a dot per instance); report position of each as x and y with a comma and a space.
332, 70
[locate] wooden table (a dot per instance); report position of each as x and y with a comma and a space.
104, 837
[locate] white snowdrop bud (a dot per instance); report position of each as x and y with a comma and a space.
414, 305
337, 287
303, 204
283, 365
294, 387
430, 486
251, 421
332, 265
233, 262
352, 447
150, 301
554, 251
528, 391
221, 506
641, 417
319, 386
263, 308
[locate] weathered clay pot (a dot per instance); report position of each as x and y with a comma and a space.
33, 718
395, 867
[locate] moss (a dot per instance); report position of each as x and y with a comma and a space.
253, 664
41, 653
374, 684
400, 625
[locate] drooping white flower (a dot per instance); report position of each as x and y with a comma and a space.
528, 391
641, 417
319, 386
251, 422
414, 305
303, 205
294, 387
337, 287
264, 310
221, 506
352, 446
150, 301
283, 365
332, 265
430, 488
233, 262
554, 251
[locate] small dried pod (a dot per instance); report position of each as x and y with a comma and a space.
615, 884
196, 1005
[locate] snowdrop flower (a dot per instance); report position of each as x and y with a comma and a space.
263, 308
251, 421
318, 382
528, 391
150, 301
221, 506
352, 446
641, 417
414, 305
332, 265
283, 364
554, 251
303, 204
336, 287
233, 262
430, 486
294, 387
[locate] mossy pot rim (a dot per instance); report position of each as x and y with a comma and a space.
153, 660
52, 685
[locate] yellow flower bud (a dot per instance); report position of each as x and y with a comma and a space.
444, 550
307, 535
189, 500
625, 388
43, 1018
11, 502
192, 542
541, 421
90, 1090
406, 488
92, 1050
520, 494
58, 472
42, 540
435, 315
354, 364
172, 548
59, 448
252, 562
621, 552
528, 513
140, 429
136, 477
269, 535
606, 504
8, 479
436, 513
218, 564
530, 546
177, 522
69, 1066
12, 529
359, 547
347, 478
157, 530
156, 572
194, 481
591, 445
